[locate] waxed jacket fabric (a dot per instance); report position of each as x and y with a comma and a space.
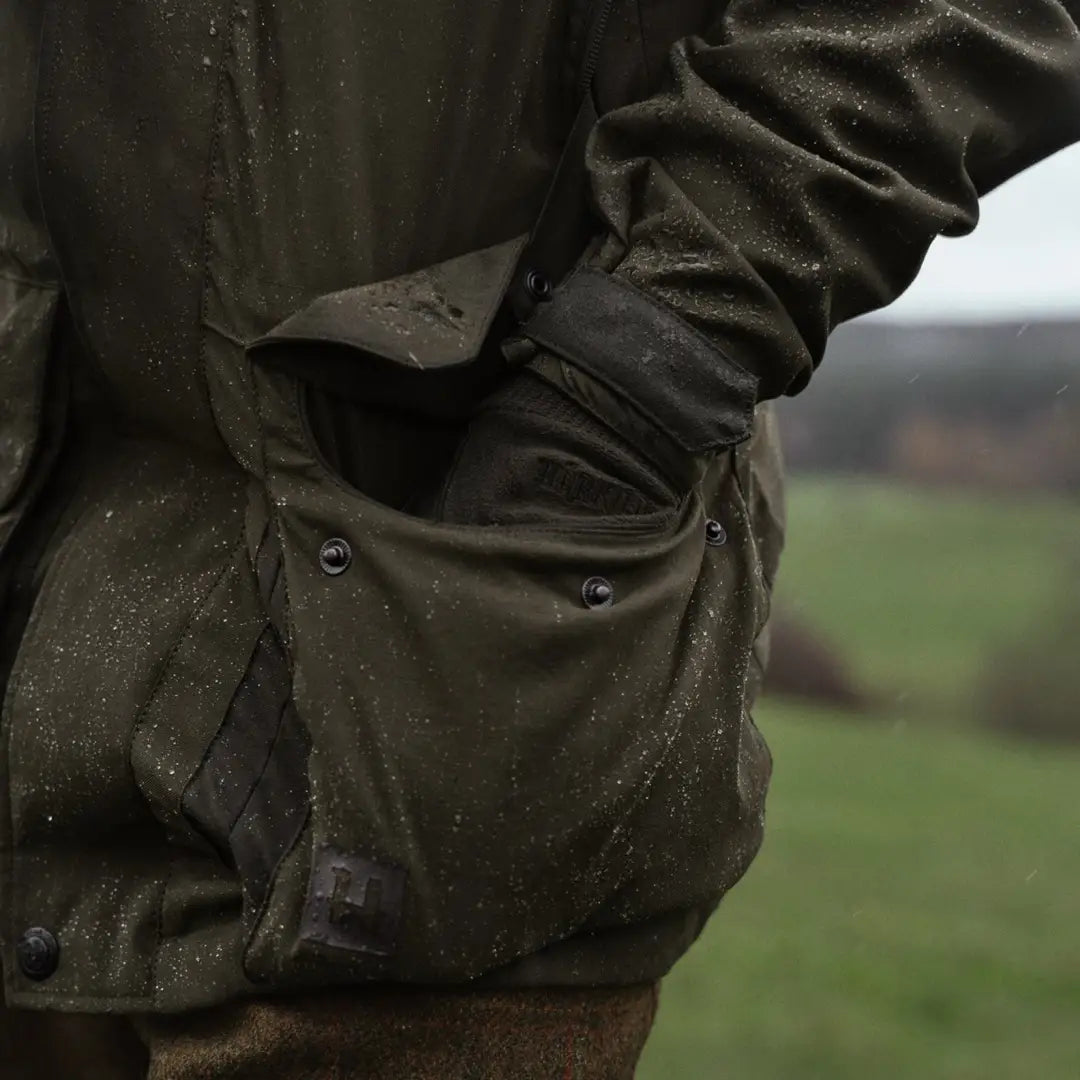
238, 758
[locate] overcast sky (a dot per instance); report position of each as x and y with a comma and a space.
1023, 259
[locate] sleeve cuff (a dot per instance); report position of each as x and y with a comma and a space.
642, 350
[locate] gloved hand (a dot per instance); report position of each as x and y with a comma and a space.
534, 454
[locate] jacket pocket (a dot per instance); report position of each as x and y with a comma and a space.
486, 711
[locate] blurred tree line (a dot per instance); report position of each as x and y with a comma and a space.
990, 406
995, 405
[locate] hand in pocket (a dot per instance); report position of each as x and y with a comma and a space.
533, 456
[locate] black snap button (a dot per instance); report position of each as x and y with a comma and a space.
538, 285
38, 953
335, 556
597, 592
715, 533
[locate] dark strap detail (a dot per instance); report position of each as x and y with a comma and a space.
276, 809
250, 796
224, 781
645, 352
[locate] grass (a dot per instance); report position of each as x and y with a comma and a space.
915, 912
918, 587
912, 914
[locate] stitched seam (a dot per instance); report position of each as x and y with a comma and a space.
209, 186
644, 51
573, 54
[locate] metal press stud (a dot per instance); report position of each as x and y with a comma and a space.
715, 533
538, 285
335, 556
598, 592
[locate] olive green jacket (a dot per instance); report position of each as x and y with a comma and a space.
238, 757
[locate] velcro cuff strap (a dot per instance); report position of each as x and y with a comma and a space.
645, 352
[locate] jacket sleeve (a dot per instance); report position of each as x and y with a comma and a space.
789, 174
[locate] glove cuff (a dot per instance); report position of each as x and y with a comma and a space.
643, 351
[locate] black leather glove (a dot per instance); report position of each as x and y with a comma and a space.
535, 455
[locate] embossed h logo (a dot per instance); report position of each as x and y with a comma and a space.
353, 903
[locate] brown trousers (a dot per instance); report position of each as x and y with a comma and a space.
363, 1035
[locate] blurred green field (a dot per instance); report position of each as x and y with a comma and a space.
917, 587
915, 912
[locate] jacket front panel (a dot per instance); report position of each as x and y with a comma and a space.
123, 129
204, 172
220, 164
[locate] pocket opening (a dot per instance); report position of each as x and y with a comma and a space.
396, 457
395, 461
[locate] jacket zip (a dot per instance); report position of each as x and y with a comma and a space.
598, 17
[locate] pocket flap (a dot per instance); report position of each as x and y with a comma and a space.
415, 340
